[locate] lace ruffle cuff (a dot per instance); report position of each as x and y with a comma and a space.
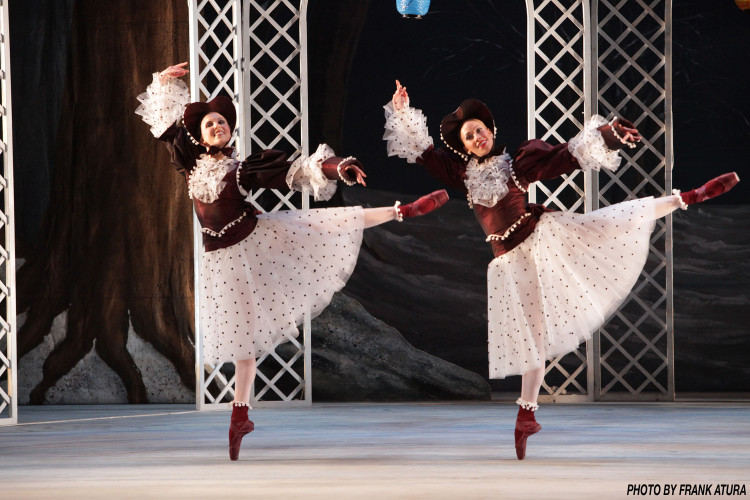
163, 103
406, 133
307, 173
589, 149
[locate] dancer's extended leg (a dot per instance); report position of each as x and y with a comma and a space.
713, 188
666, 205
377, 216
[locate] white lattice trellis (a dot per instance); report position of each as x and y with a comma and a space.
255, 53
611, 58
635, 349
558, 81
8, 366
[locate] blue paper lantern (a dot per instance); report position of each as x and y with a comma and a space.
413, 8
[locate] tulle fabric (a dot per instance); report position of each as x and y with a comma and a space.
255, 293
163, 103
550, 293
307, 173
589, 148
406, 132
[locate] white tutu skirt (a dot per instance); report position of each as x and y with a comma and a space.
561, 284
255, 293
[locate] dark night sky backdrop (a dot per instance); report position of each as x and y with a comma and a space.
477, 48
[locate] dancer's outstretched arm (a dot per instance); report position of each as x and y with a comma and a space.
407, 137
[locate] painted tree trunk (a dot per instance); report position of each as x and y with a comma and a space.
116, 245
114, 248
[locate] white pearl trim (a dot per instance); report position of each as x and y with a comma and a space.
526, 405
464, 156
618, 136
683, 205
243, 191
504, 236
232, 404
341, 175
224, 229
515, 179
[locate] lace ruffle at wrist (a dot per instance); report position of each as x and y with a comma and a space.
589, 149
526, 405
307, 173
406, 133
683, 205
163, 103
340, 171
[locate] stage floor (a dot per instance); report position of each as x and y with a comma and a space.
460, 451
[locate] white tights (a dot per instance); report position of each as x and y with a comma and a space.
244, 375
377, 216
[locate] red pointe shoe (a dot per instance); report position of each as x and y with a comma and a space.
711, 189
239, 425
423, 205
526, 425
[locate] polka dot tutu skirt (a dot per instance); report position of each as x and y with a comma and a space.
551, 292
255, 293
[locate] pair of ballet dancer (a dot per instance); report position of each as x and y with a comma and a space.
554, 280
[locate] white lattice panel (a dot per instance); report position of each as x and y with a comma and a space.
8, 366
254, 52
611, 58
558, 106
635, 352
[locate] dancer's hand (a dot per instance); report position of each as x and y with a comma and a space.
353, 170
627, 130
400, 97
175, 71
620, 132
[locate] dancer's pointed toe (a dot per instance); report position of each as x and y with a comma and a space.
423, 205
711, 189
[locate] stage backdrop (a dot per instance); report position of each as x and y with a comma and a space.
104, 226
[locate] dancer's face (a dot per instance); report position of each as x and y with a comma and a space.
477, 138
215, 130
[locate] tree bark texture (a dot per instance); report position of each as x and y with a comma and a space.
116, 242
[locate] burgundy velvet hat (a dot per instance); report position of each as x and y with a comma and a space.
195, 111
450, 127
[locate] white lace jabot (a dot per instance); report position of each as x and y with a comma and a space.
488, 182
206, 179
